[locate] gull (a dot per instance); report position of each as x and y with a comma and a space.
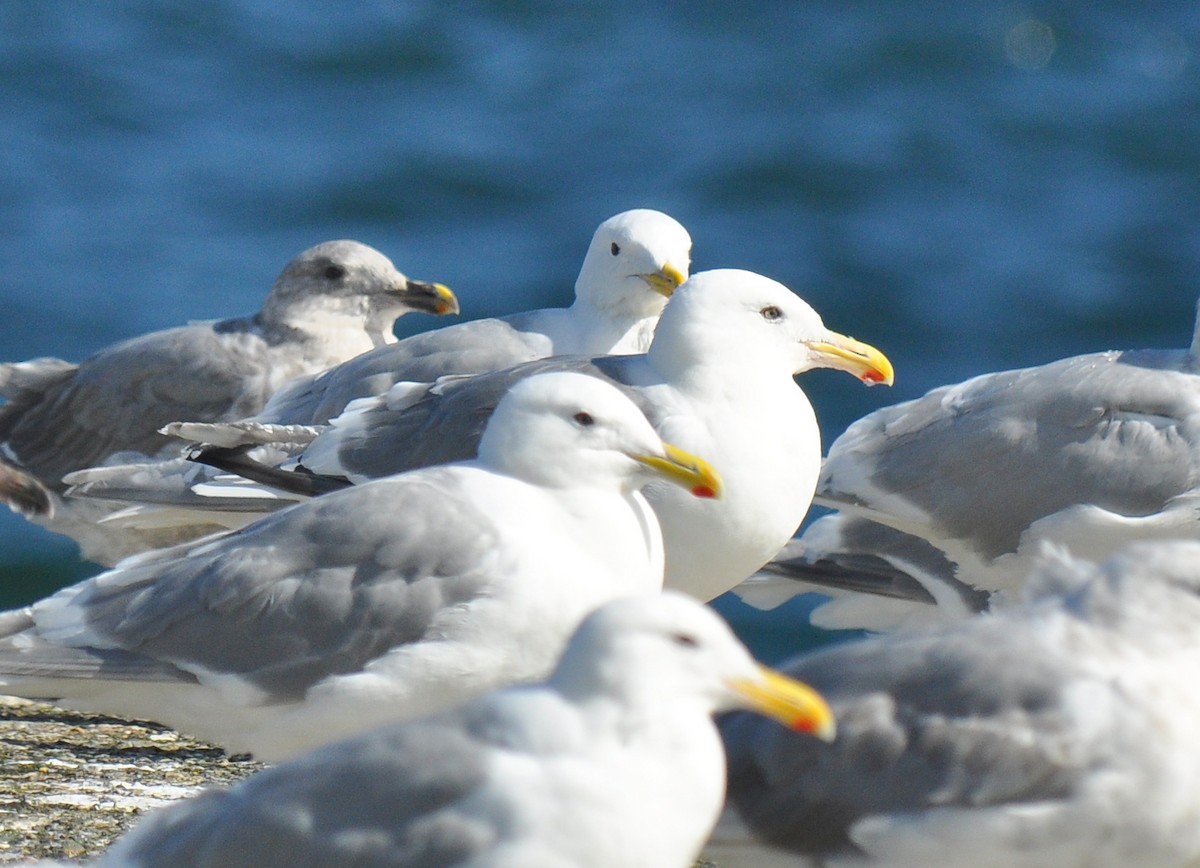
1058, 731
1090, 452
717, 380
613, 760
332, 302
633, 264
388, 600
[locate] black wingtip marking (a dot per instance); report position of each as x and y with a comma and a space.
234, 459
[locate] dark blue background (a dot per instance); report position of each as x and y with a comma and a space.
968, 186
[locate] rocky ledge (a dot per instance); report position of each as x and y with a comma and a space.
70, 783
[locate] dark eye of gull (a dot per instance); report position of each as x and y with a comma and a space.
771, 313
335, 272
584, 419
616, 248
684, 639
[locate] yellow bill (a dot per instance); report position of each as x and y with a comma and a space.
862, 360
793, 703
666, 280
685, 469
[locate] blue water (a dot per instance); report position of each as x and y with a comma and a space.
968, 186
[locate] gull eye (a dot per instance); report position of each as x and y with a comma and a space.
335, 272
616, 248
687, 640
584, 419
771, 313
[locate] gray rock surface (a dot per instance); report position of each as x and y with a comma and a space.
71, 783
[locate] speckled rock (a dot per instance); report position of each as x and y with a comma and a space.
71, 783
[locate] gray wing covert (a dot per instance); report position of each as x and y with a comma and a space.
468, 348
922, 722
309, 592
444, 426
119, 398
1106, 429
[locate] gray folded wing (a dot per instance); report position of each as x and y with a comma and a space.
922, 723
467, 348
446, 424
314, 591
118, 399
984, 460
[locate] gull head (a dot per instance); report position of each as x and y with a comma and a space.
350, 283
753, 326
634, 264
668, 649
565, 430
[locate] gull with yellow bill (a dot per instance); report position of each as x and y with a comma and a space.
390, 600
614, 760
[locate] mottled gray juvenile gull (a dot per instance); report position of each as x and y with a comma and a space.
635, 261
1090, 452
1062, 731
614, 760
332, 302
388, 600
717, 379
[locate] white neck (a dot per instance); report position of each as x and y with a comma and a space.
599, 332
